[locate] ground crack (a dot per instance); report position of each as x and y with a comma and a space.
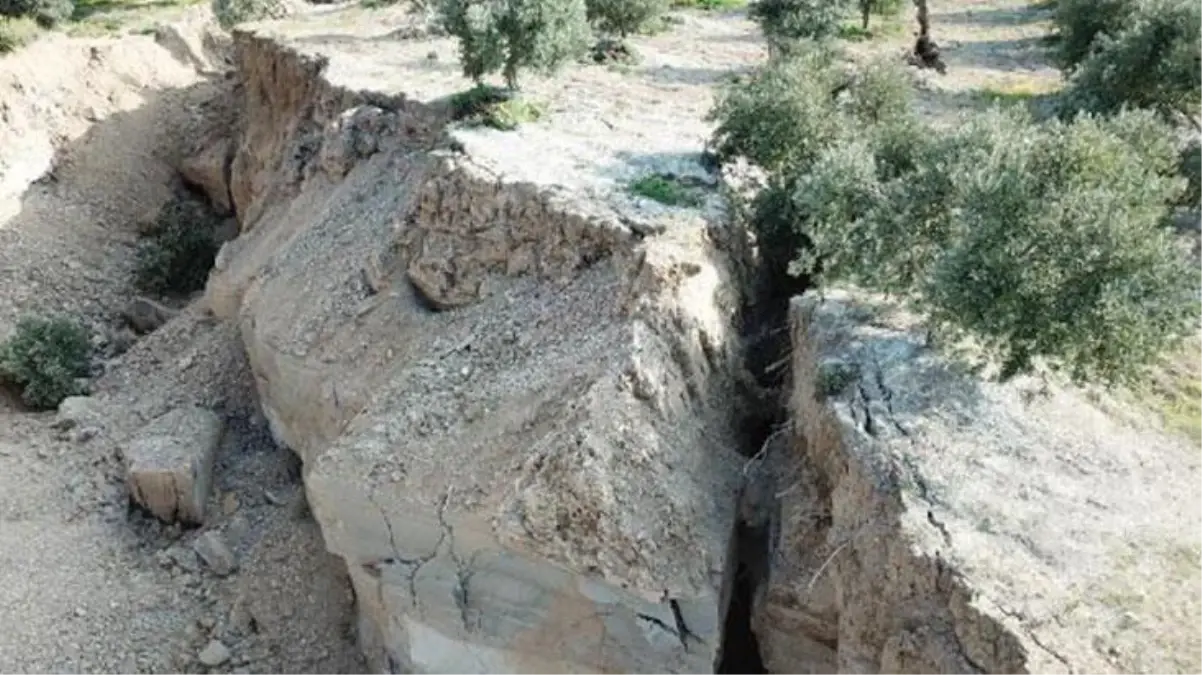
376, 567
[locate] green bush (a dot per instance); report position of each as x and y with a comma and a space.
1062, 252
515, 35
1044, 241
624, 17
47, 13
1078, 23
783, 114
230, 13
177, 254
46, 357
1152, 61
786, 21
667, 189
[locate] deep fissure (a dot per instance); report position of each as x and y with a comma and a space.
766, 348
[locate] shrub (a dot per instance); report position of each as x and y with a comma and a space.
15, 33
1078, 24
786, 21
515, 35
493, 107
45, 357
230, 13
623, 17
783, 114
176, 256
667, 189
1153, 61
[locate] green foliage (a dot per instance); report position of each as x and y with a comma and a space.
176, 256
782, 114
1044, 241
834, 377
667, 189
45, 357
787, 112
492, 107
1151, 61
1079, 23
47, 13
230, 13
515, 35
16, 33
786, 21
623, 17
1191, 168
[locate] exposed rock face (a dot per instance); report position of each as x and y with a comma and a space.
544, 478
169, 464
932, 522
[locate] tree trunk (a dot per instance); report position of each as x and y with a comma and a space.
865, 11
924, 19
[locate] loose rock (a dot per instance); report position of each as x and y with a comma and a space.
214, 654
213, 550
169, 464
145, 315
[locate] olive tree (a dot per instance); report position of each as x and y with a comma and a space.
623, 17
783, 22
512, 36
1151, 61
1047, 242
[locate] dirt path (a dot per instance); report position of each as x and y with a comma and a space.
86, 585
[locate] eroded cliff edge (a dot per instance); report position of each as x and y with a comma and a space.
928, 521
513, 400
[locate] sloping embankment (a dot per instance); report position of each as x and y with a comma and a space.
544, 478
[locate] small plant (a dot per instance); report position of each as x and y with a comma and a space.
16, 33
46, 357
613, 52
493, 107
511, 36
178, 252
834, 377
667, 189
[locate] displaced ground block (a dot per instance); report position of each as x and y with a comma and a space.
169, 464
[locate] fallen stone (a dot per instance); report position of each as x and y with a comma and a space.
169, 464
215, 553
214, 654
145, 315
80, 411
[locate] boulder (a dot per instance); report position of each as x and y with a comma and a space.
169, 464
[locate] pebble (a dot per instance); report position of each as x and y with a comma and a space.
214, 654
216, 555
